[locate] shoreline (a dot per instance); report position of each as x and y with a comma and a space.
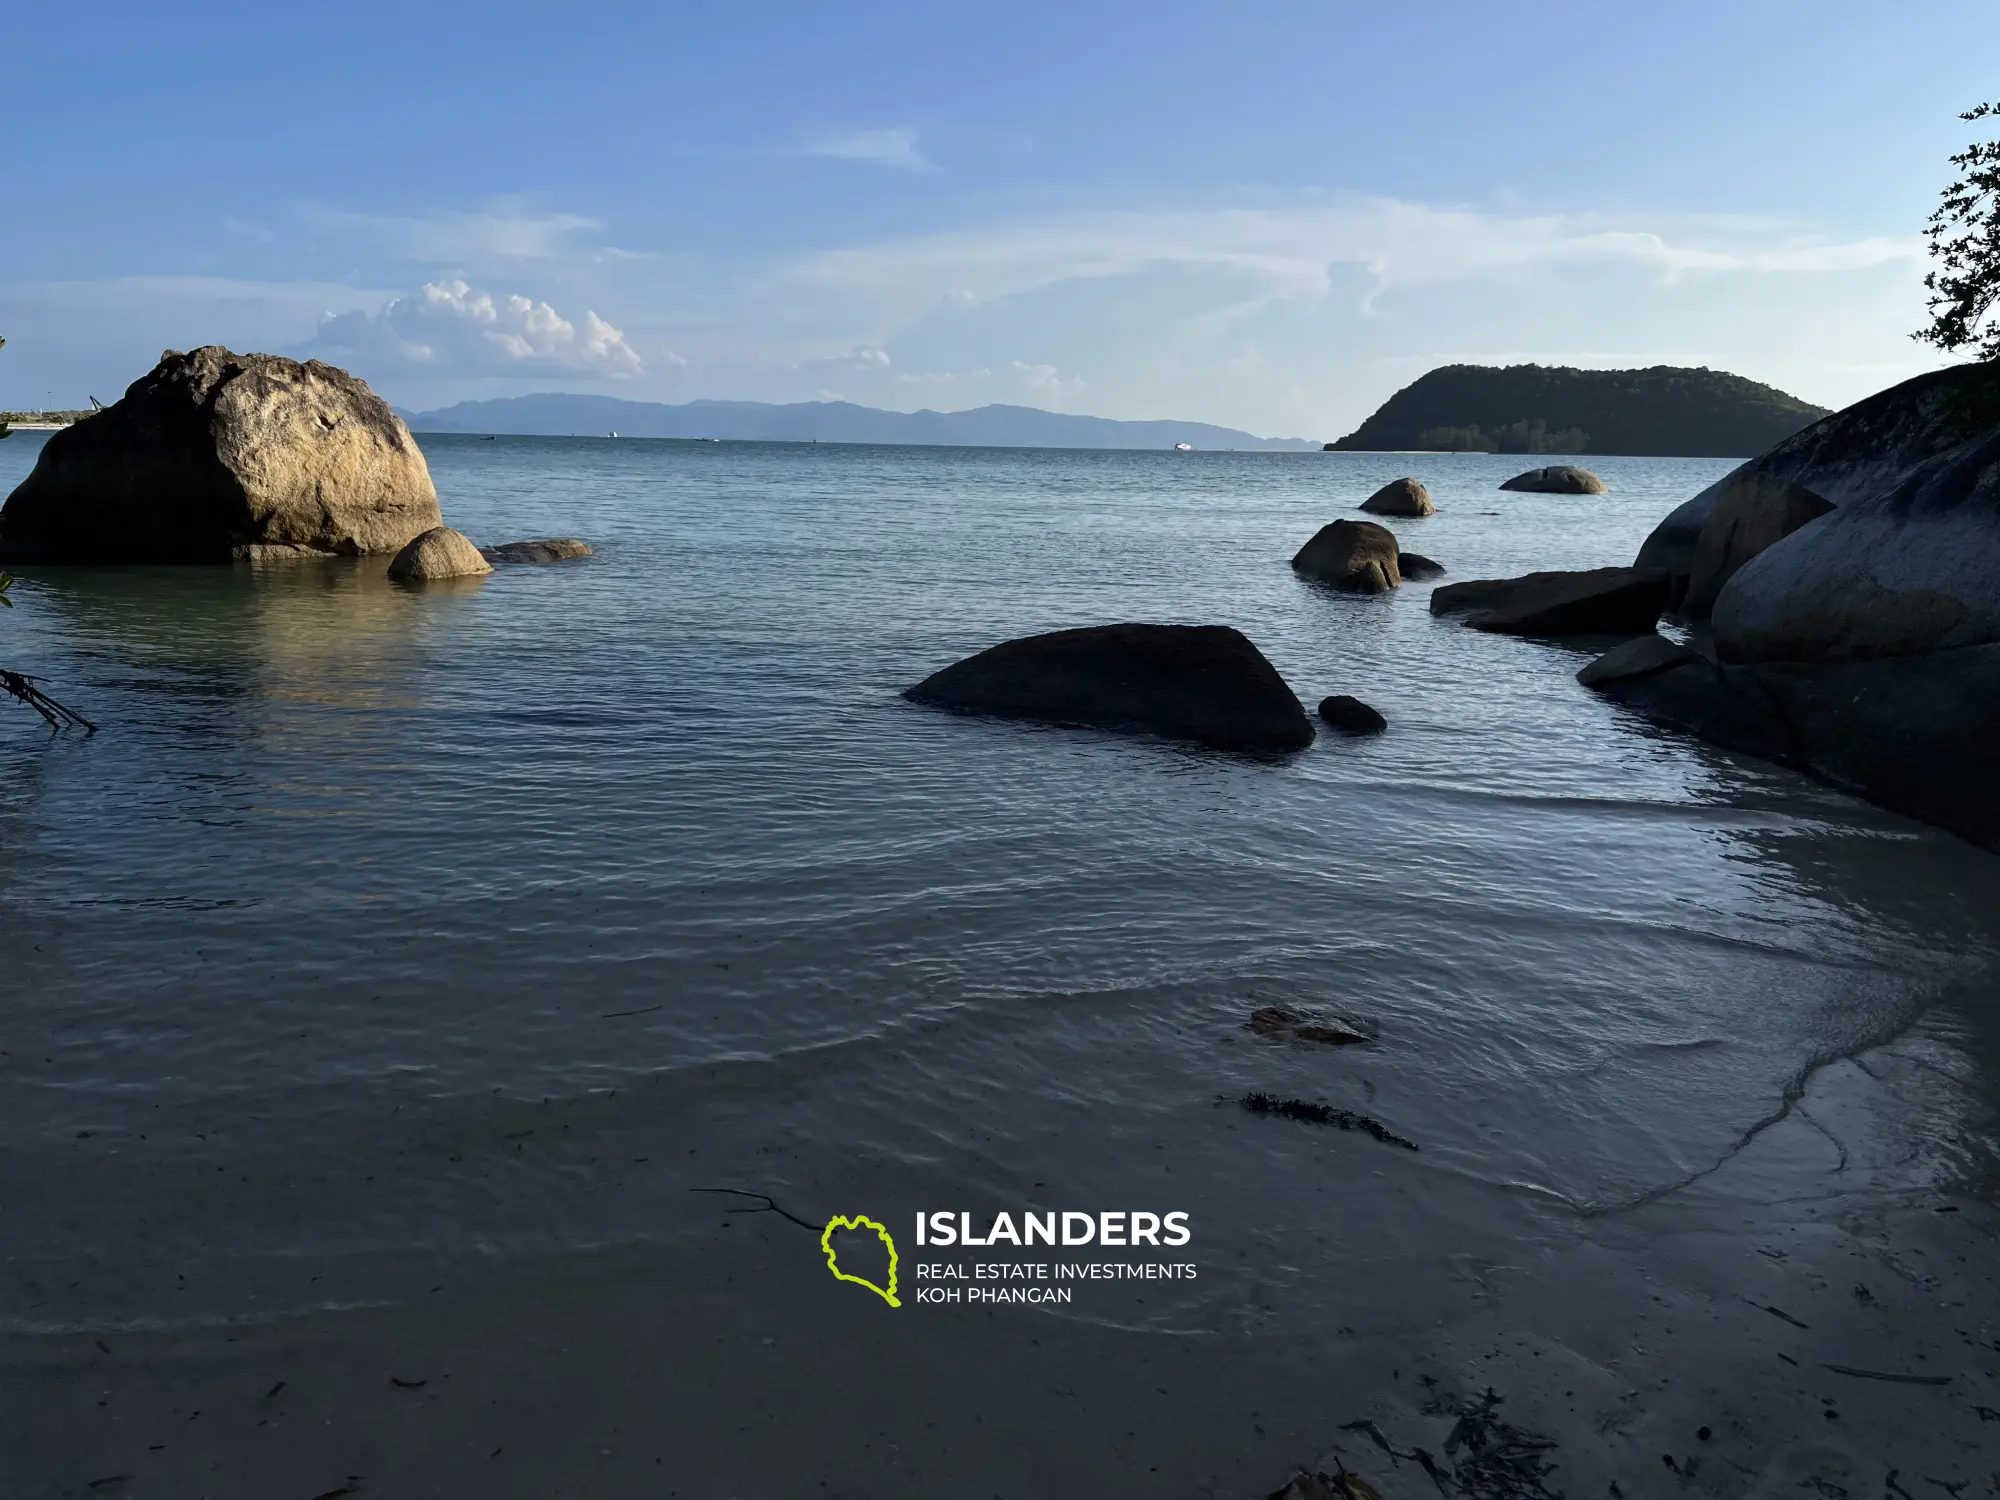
1816, 1303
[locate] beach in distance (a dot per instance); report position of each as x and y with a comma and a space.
442, 1020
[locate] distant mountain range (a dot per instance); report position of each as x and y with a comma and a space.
826, 422
1664, 411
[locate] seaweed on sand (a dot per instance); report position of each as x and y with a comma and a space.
1325, 1114
1484, 1457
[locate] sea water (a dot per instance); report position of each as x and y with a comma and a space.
381, 931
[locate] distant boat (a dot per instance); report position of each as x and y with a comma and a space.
1183, 447
611, 434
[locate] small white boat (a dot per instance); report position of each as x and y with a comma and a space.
611, 434
1183, 447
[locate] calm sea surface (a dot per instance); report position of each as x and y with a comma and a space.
381, 929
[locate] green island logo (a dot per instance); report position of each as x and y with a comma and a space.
860, 1221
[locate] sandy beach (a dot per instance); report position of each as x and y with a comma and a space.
1816, 1313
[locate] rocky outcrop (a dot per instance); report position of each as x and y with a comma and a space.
213, 452
546, 550
1356, 557
1416, 569
1913, 569
1857, 636
1400, 497
1601, 601
438, 554
1752, 512
1861, 452
1557, 479
1205, 683
1351, 715
1914, 734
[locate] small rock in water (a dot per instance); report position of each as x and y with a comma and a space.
1356, 557
1557, 479
1400, 497
1413, 566
1352, 715
1275, 1020
545, 550
438, 554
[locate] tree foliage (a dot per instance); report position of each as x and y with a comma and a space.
1965, 244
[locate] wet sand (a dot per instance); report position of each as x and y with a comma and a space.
1856, 1230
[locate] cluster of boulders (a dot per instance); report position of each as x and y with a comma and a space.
214, 456
1209, 683
1841, 596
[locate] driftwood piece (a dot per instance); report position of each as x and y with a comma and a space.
20, 685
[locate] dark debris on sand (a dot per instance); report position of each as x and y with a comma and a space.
1325, 1114
1484, 1458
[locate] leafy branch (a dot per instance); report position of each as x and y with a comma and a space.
1964, 235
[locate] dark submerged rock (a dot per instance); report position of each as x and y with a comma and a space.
1416, 569
214, 453
1205, 683
1400, 497
1356, 557
1352, 715
1291, 1025
1639, 657
1600, 601
1557, 479
546, 550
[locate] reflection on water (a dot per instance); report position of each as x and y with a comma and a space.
381, 923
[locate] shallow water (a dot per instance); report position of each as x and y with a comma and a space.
382, 930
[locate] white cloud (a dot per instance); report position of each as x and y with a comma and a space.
883, 148
865, 358
451, 327
501, 231
1290, 253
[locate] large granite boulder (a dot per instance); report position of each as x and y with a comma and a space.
1557, 479
1400, 497
1356, 557
1205, 683
215, 453
1857, 634
545, 550
1751, 513
1915, 568
438, 554
1600, 601
1862, 451
1914, 734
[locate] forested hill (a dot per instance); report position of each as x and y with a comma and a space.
1552, 409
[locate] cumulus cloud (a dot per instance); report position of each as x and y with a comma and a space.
450, 326
883, 148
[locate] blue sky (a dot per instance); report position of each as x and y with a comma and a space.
1269, 215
